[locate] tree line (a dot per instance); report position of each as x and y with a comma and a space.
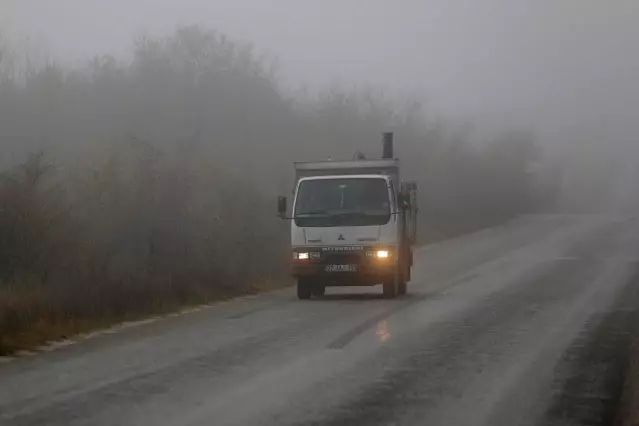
138, 186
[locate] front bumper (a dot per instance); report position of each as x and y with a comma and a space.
370, 269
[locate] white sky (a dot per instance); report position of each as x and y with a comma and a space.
568, 67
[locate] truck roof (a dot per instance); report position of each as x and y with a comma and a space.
351, 164
363, 176
356, 168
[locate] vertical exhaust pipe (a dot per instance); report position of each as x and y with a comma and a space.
387, 150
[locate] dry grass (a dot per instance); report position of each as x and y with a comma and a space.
265, 285
30, 319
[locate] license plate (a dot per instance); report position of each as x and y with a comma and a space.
341, 268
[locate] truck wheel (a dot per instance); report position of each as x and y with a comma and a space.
319, 290
303, 289
390, 288
406, 275
401, 288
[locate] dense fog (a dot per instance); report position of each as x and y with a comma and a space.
141, 175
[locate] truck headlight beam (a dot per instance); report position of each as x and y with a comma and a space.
382, 254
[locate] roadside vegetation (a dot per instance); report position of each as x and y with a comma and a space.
140, 186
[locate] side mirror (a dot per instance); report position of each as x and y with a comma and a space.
403, 199
281, 206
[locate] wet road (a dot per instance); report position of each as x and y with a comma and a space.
524, 324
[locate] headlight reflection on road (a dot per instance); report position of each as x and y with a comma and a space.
382, 331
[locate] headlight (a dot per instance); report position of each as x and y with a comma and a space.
306, 255
382, 254
379, 254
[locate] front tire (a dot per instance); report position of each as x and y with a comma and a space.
304, 289
390, 289
401, 288
403, 275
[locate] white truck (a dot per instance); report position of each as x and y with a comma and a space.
353, 223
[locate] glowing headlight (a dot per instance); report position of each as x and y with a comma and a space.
382, 254
313, 255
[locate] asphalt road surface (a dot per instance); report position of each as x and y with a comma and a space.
526, 324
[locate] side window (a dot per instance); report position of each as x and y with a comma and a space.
393, 196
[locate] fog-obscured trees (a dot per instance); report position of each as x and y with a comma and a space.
154, 181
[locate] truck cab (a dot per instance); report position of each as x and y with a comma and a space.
352, 224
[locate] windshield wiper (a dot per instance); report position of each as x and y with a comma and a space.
340, 214
356, 214
314, 213
361, 214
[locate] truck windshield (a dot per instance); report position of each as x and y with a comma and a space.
342, 202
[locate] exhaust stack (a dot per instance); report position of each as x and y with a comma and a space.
387, 151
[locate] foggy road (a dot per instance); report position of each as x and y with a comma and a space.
524, 324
